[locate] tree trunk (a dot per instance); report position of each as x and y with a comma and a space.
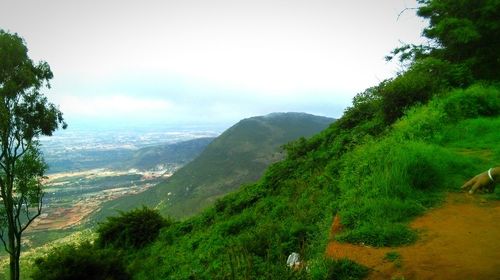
14, 264
13, 247
14, 267
17, 255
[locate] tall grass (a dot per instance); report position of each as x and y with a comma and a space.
386, 182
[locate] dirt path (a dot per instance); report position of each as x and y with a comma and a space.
459, 240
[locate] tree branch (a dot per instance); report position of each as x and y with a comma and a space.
4, 243
17, 206
20, 143
3, 167
404, 10
30, 220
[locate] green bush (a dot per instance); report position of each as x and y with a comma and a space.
296, 149
365, 107
425, 78
475, 101
80, 262
427, 123
132, 229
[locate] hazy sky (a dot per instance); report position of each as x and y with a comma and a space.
206, 61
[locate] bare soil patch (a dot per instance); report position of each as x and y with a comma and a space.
458, 240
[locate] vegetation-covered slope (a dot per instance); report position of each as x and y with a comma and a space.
239, 155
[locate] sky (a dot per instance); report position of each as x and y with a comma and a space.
173, 62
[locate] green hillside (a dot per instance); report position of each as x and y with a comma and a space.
393, 155
238, 156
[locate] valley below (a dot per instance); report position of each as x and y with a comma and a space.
62, 209
88, 170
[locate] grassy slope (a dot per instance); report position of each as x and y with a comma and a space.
376, 187
240, 155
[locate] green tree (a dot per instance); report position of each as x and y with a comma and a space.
467, 32
25, 114
462, 32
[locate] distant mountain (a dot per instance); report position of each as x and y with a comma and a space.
157, 156
238, 156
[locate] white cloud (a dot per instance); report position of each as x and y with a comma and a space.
112, 106
184, 57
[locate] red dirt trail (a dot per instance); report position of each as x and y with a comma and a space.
458, 240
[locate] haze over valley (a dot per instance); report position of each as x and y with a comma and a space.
88, 168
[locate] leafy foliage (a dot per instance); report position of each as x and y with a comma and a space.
424, 79
133, 229
467, 33
25, 114
462, 33
82, 261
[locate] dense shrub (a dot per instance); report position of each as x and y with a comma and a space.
477, 100
426, 122
365, 107
131, 229
80, 262
296, 149
465, 32
419, 84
